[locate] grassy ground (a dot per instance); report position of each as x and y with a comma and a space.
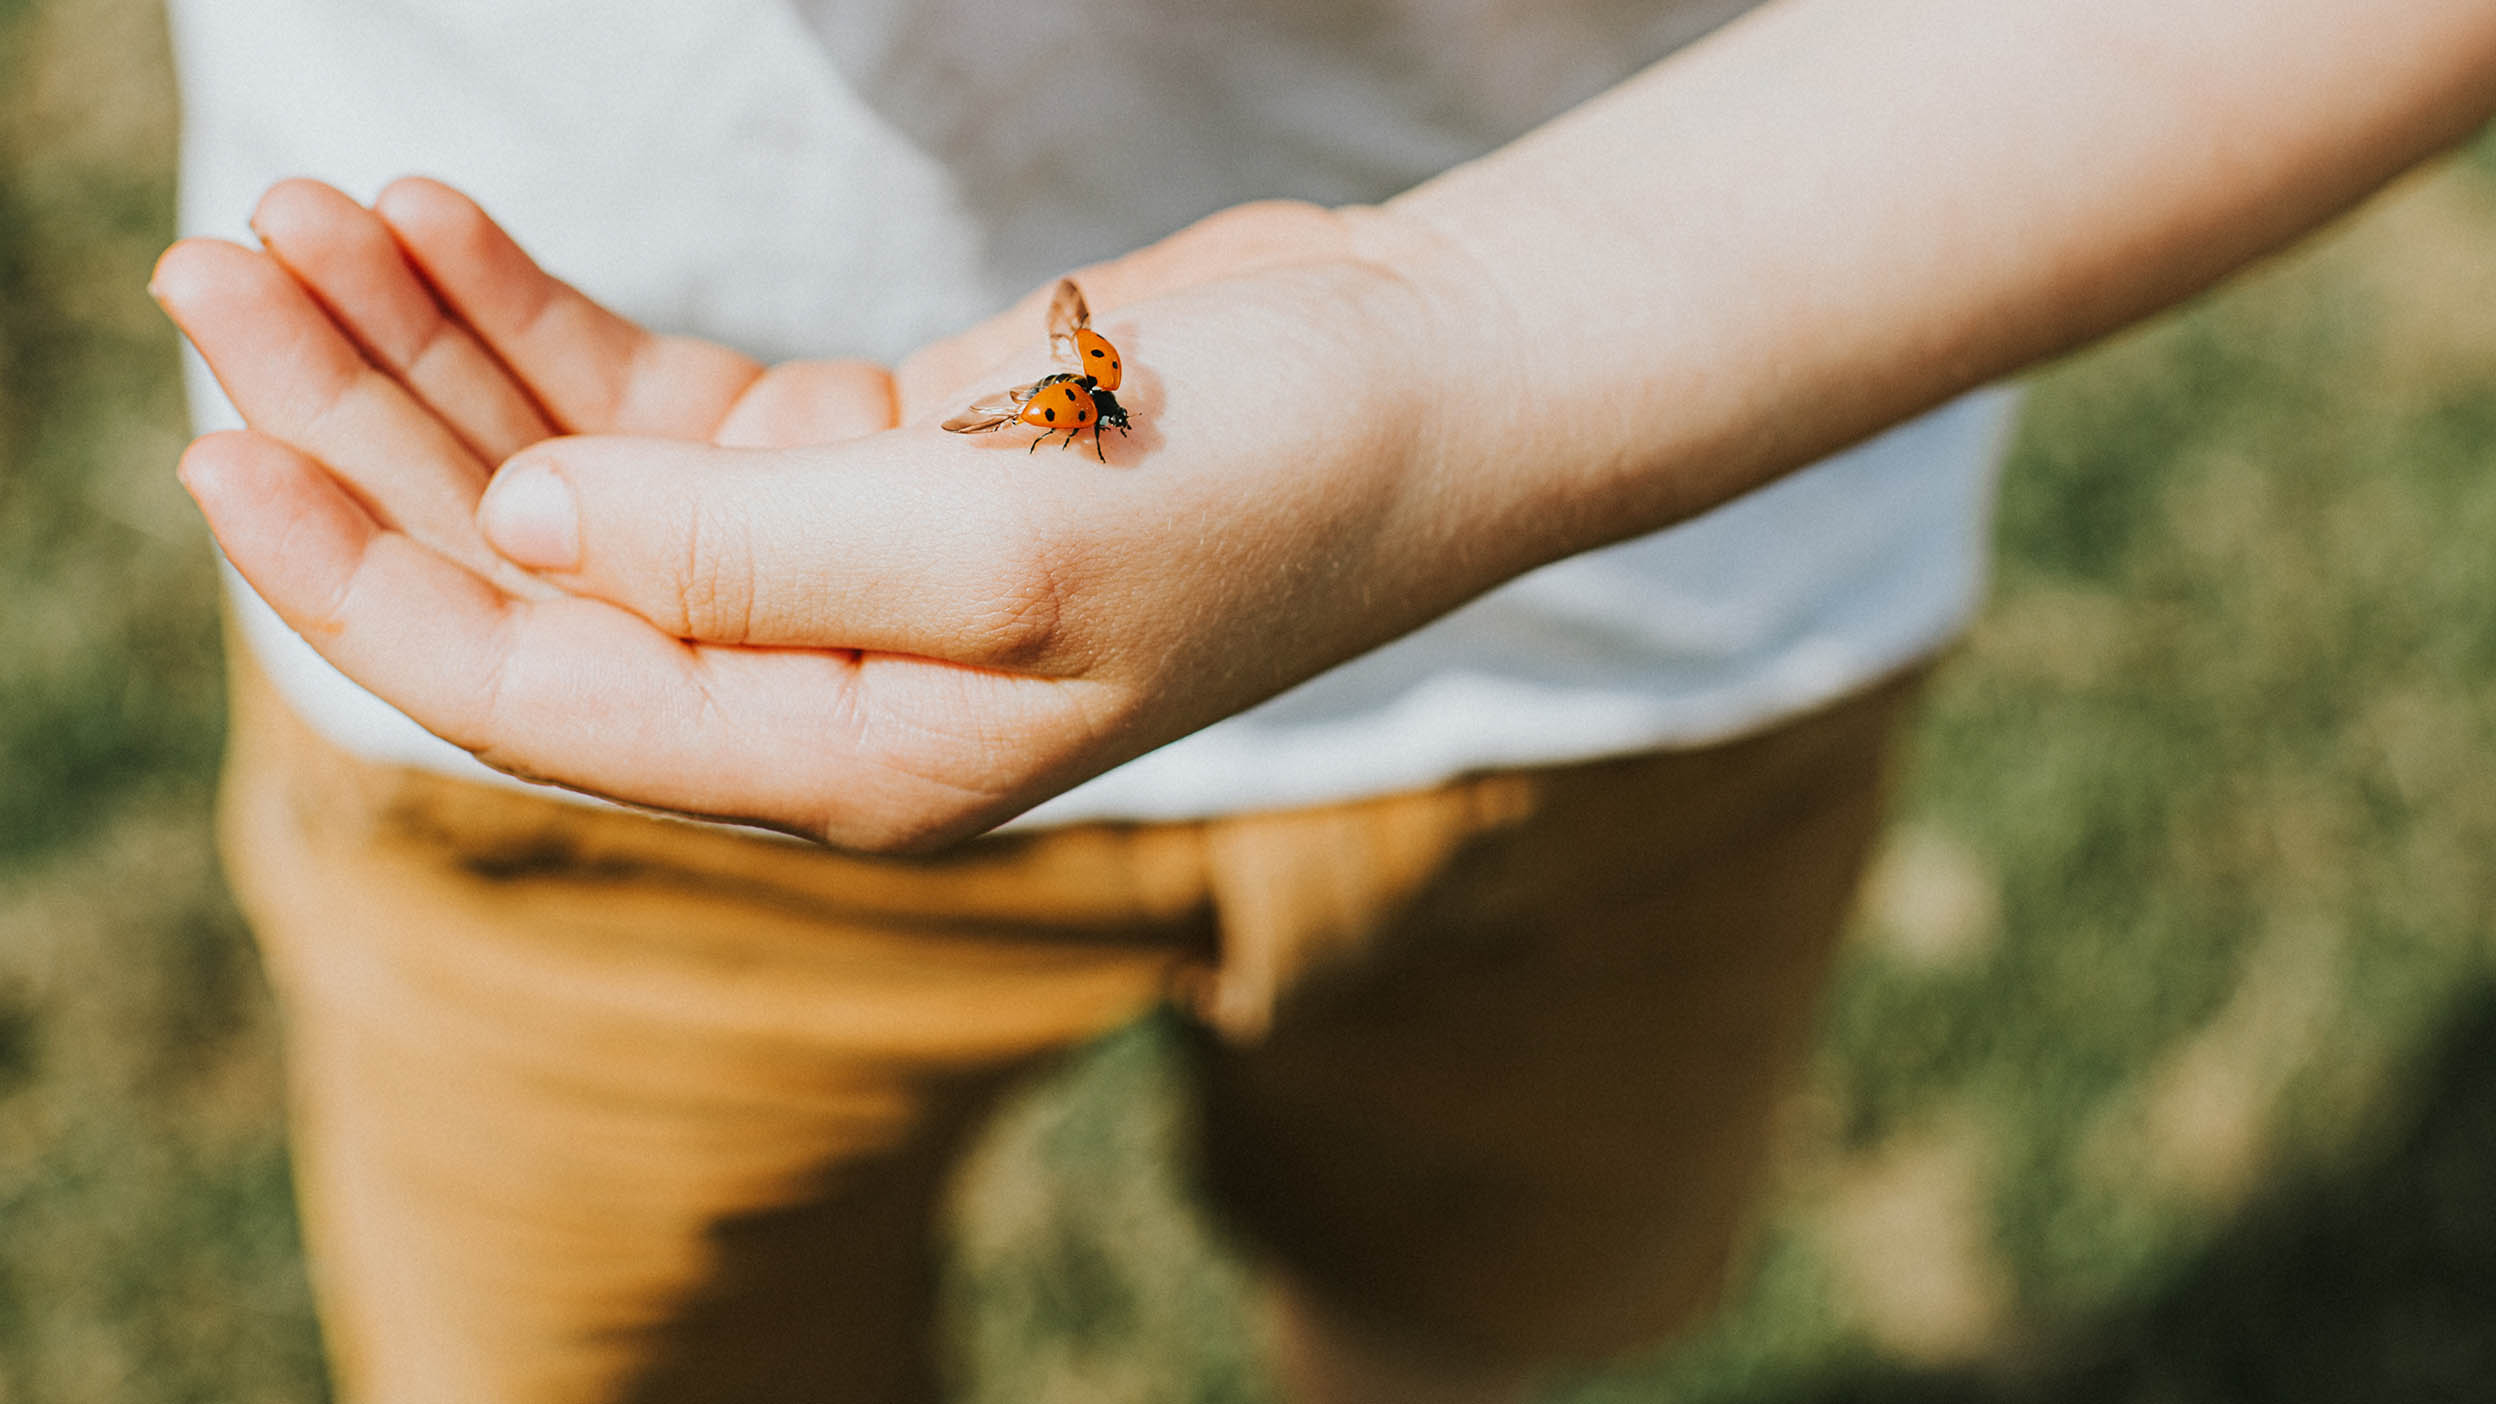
2163, 1067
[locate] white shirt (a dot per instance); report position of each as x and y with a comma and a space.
811, 178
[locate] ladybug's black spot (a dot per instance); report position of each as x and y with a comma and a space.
1098, 351
1052, 414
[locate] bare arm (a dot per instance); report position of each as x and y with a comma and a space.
1835, 213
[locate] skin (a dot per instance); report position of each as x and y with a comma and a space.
766, 603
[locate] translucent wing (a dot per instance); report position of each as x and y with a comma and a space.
1067, 313
994, 411
980, 418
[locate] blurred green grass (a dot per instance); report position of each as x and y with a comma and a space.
2163, 1065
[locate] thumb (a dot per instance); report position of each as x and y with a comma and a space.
882, 544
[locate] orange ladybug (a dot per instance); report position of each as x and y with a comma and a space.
1068, 401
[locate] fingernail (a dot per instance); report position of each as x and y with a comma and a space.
529, 515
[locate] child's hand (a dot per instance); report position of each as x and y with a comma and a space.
410, 387
893, 640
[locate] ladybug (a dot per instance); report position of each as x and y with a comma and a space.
1066, 402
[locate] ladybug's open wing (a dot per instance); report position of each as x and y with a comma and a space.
994, 411
979, 419
1067, 314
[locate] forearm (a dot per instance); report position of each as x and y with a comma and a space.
1834, 214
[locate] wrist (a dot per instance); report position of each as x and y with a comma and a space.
1491, 446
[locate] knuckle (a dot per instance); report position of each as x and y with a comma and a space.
714, 590
1264, 214
1272, 227
1304, 213
1017, 618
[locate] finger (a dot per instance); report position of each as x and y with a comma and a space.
893, 548
297, 378
347, 259
875, 753
589, 369
811, 402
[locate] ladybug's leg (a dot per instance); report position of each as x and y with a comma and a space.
1036, 443
1096, 442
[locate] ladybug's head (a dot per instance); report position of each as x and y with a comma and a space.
1113, 415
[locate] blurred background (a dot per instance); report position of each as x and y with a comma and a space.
2163, 1064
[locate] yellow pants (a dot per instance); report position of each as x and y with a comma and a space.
590, 1105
